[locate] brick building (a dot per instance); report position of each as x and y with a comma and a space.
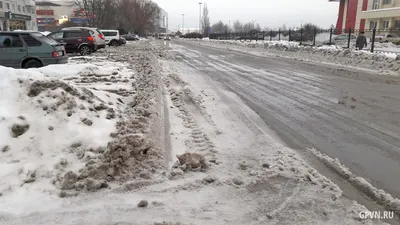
367, 14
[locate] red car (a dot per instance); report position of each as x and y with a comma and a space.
77, 40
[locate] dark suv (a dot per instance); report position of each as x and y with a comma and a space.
76, 40
24, 49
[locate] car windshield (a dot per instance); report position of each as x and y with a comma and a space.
110, 33
43, 38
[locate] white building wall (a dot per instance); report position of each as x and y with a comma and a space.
21, 7
346, 4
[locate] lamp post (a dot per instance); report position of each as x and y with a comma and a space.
199, 16
183, 23
253, 23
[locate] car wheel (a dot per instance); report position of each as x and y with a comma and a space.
32, 63
114, 44
85, 50
386, 41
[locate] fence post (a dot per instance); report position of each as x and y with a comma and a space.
289, 36
263, 36
348, 41
373, 39
315, 35
279, 34
270, 35
330, 37
301, 36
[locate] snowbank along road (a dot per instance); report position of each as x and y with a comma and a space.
149, 134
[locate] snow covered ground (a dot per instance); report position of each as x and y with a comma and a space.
51, 122
126, 138
383, 62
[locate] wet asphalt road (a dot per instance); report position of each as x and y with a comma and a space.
347, 114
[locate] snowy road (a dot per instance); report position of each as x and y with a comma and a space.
349, 115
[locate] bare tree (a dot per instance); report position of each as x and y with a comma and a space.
206, 21
248, 27
309, 29
139, 16
237, 26
219, 27
258, 27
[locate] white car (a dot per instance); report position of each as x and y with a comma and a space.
99, 37
387, 38
342, 40
112, 37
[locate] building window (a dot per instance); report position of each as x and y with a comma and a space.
1, 5
8, 6
23, 9
386, 24
19, 8
372, 24
396, 24
13, 7
375, 4
387, 2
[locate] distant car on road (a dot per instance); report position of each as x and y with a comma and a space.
167, 38
112, 37
130, 37
122, 40
30, 50
76, 40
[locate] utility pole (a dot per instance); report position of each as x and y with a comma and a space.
183, 23
199, 16
253, 23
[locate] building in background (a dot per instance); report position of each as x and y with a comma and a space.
161, 24
188, 30
51, 15
17, 15
367, 14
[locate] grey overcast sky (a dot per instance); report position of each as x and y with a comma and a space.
268, 13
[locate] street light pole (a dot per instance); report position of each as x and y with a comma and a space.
183, 23
253, 23
199, 16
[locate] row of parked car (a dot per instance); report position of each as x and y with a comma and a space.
29, 49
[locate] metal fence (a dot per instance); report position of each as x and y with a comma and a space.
377, 39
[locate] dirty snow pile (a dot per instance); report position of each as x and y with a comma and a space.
378, 195
382, 62
66, 129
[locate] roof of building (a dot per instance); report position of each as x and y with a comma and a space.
47, 3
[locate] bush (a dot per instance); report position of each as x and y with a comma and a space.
193, 35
